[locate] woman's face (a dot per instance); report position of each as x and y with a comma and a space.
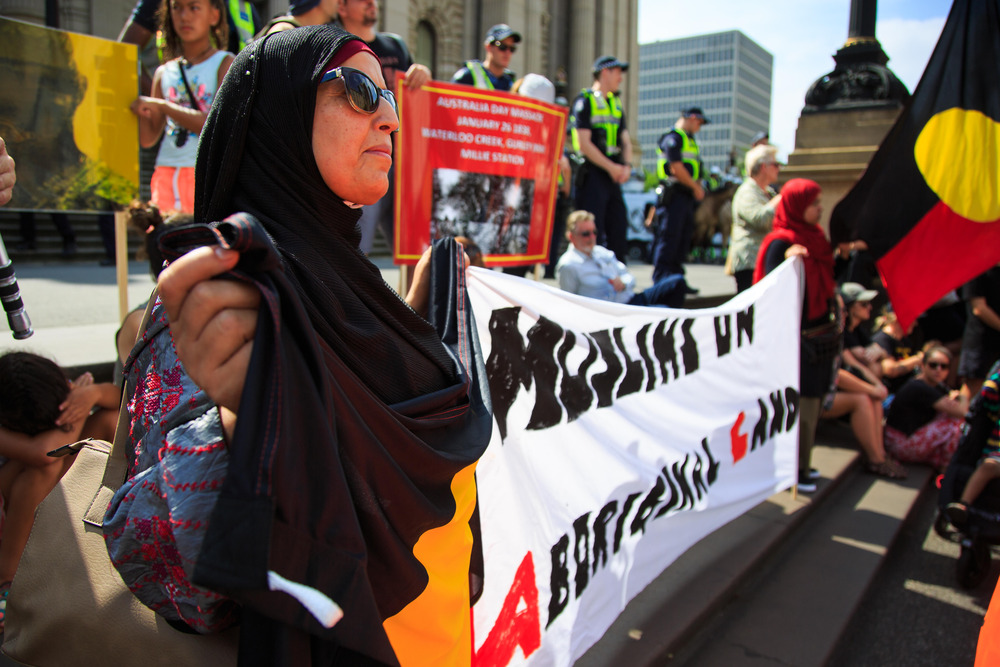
936, 367
353, 150
813, 211
861, 311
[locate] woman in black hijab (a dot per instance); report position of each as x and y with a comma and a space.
352, 423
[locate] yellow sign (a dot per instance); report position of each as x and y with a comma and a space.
65, 117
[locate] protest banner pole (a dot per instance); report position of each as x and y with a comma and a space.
121, 261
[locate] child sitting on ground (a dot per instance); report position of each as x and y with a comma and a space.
40, 410
988, 467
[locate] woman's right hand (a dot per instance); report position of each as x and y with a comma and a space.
212, 321
796, 250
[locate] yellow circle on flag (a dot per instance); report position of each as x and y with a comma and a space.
958, 153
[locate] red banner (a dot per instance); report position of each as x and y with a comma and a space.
476, 163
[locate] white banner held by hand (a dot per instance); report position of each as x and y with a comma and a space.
623, 435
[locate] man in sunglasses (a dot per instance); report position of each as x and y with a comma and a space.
491, 73
591, 270
360, 18
601, 141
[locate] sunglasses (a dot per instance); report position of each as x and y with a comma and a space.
587, 233
504, 47
936, 365
362, 92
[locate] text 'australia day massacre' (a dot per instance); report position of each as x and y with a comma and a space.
506, 119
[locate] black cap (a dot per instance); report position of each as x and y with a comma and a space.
607, 62
500, 32
760, 136
695, 112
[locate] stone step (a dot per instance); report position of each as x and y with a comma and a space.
779, 583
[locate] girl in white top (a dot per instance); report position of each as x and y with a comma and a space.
191, 29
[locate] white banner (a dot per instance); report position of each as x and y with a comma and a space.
622, 436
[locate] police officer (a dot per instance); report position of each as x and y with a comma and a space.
679, 169
491, 72
599, 136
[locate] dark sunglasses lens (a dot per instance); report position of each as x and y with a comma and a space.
387, 94
181, 138
936, 366
361, 92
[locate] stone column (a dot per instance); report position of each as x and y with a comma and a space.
582, 45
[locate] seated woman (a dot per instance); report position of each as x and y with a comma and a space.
40, 410
335, 430
857, 357
896, 351
863, 402
924, 422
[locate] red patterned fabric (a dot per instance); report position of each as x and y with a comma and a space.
933, 443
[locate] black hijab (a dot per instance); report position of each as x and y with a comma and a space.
255, 156
357, 415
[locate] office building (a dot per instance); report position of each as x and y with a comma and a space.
727, 74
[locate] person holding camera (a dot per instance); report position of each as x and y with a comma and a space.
183, 90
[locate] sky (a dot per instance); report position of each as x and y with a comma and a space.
802, 35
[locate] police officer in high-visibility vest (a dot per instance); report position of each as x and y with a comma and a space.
599, 136
491, 72
680, 172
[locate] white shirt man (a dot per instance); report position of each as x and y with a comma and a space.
592, 270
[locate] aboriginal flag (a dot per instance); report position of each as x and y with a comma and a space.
928, 205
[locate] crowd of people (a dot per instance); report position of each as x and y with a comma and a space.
291, 164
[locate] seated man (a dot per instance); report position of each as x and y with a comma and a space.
591, 270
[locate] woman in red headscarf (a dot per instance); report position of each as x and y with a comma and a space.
797, 233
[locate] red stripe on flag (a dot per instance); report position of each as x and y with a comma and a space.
943, 249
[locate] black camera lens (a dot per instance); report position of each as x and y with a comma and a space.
181, 137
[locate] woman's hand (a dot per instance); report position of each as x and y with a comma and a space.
796, 250
79, 402
8, 175
212, 322
878, 391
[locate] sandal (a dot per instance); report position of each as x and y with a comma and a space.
889, 468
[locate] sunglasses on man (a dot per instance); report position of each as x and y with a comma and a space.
504, 47
362, 93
